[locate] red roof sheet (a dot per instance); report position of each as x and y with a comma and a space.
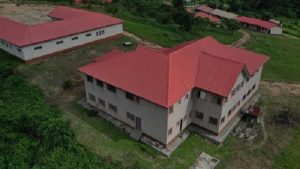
204, 8
209, 17
71, 23
165, 76
258, 22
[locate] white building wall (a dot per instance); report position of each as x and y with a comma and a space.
49, 47
208, 109
12, 49
153, 117
276, 30
238, 96
157, 121
181, 111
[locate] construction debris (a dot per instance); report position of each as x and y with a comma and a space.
248, 129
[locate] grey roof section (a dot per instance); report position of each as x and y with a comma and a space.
224, 14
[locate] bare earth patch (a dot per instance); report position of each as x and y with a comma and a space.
27, 14
277, 89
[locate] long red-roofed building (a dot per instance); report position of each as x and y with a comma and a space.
260, 25
209, 17
70, 28
160, 92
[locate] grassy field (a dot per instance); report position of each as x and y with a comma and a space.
284, 52
105, 140
291, 26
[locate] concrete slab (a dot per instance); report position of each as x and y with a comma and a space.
205, 161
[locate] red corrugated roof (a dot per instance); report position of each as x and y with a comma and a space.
258, 22
165, 76
73, 21
209, 17
204, 8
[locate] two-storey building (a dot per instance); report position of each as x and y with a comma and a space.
162, 91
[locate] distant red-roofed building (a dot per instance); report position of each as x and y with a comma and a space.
161, 92
70, 28
204, 8
260, 25
209, 17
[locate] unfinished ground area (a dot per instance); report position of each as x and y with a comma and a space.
27, 14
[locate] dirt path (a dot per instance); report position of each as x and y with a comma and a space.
142, 41
243, 40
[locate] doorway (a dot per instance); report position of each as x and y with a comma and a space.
138, 123
181, 125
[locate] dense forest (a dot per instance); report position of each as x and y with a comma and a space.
32, 135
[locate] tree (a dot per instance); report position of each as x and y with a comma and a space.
178, 4
232, 25
184, 19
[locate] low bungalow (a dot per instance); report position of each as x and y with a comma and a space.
203, 8
211, 18
160, 92
223, 14
70, 28
260, 25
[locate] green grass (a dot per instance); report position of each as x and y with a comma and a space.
289, 158
284, 53
291, 26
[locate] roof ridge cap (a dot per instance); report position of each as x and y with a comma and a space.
227, 59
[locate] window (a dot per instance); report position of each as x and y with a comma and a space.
100, 83
179, 101
89, 78
249, 92
223, 119
216, 100
111, 88
238, 103
238, 87
88, 34
171, 110
201, 95
103, 32
225, 99
253, 87
101, 102
233, 92
229, 112
170, 131
187, 96
199, 115
213, 120
130, 116
129, 96
244, 97
59, 42
247, 79
113, 108
75, 38
19, 50
100, 32
38, 47
242, 84
92, 97
185, 117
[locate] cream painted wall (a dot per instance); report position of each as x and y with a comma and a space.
233, 100
276, 30
28, 52
12, 49
153, 117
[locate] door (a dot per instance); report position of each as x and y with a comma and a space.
138, 123
180, 124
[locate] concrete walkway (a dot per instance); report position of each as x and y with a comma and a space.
142, 41
246, 37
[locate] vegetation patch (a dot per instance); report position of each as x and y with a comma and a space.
284, 53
